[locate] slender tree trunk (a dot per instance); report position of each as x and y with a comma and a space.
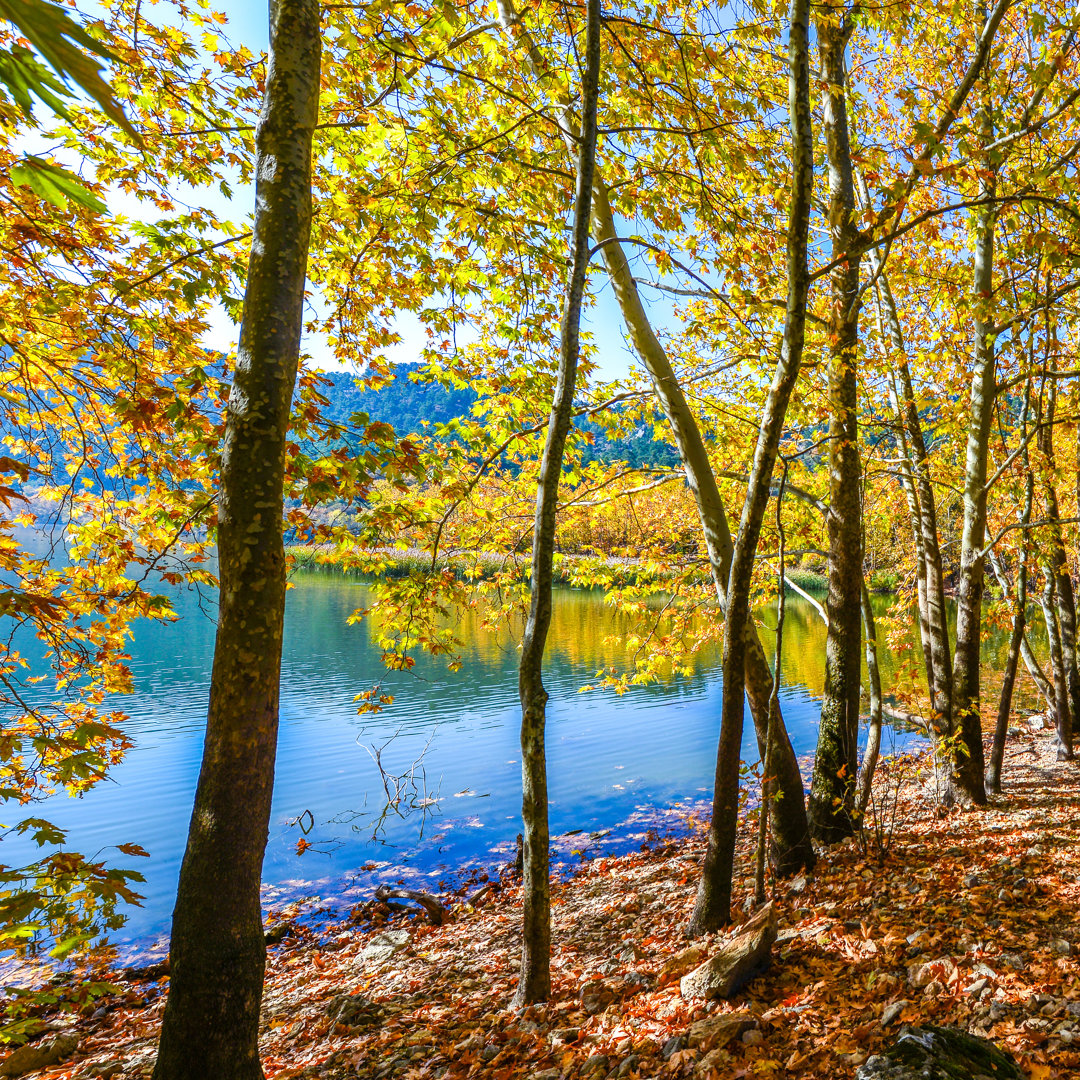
832, 788
934, 626
1069, 709
1038, 676
792, 850
1016, 638
1053, 637
712, 907
535, 982
769, 756
211, 1022
967, 784
873, 734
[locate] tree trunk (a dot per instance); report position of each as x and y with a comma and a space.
792, 850
211, 1022
1053, 637
1001, 728
934, 626
873, 734
967, 784
712, 907
832, 788
1058, 560
535, 981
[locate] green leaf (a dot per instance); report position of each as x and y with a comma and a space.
69, 49
55, 184
24, 76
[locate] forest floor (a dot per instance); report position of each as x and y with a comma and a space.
965, 918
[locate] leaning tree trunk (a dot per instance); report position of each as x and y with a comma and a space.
791, 849
966, 783
218, 954
832, 788
712, 907
535, 981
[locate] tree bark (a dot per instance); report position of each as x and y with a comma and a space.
1008, 682
712, 907
966, 783
1068, 712
792, 850
832, 788
535, 981
873, 734
218, 953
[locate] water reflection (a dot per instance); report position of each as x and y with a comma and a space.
616, 763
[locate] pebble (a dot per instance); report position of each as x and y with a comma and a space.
892, 1011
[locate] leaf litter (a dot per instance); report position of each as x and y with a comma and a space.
969, 918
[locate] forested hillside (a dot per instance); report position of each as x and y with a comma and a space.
413, 405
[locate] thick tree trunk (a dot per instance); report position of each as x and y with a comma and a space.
792, 849
967, 782
211, 1022
712, 907
832, 788
535, 981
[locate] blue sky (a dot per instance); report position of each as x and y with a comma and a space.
249, 25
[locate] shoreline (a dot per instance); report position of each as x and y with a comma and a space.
966, 918
400, 562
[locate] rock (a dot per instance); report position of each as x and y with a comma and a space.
39, 1055
564, 1036
971, 881
597, 1063
1012, 960
737, 960
711, 1063
674, 1045
678, 965
940, 1053
547, 1074
892, 1011
596, 996
354, 1010
1061, 946
752, 1037
277, 932
628, 1065
383, 947
977, 987
934, 989
715, 1032
104, 1072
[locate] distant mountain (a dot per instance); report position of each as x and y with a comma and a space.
405, 405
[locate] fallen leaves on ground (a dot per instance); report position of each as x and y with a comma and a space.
970, 919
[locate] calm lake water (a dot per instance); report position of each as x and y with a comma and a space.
617, 764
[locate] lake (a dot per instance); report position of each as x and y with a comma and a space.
618, 765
